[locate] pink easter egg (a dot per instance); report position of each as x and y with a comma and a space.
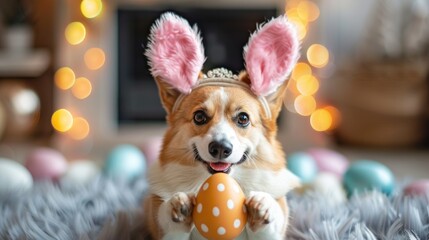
417, 188
151, 149
329, 161
46, 164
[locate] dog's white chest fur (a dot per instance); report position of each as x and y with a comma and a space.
172, 178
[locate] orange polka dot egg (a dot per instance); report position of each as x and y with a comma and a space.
220, 212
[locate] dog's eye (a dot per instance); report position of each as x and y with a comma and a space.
200, 117
243, 119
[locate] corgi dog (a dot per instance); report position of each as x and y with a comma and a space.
220, 122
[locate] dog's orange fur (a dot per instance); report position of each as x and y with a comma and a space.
181, 129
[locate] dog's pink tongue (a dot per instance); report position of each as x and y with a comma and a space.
220, 166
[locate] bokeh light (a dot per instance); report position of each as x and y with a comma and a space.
290, 4
301, 69
301, 29
321, 120
290, 96
91, 8
318, 55
25, 102
94, 58
336, 116
307, 85
300, 24
64, 78
292, 15
82, 88
80, 129
75, 33
305, 105
308, 11
62, 120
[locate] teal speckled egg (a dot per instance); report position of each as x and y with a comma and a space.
366, 175
125, 162
303, 166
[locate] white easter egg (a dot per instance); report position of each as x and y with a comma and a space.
15, 179
328, 185
81, 172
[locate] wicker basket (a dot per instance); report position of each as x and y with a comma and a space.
382, 104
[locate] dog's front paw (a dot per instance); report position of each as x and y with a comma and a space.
260, 207
182, 206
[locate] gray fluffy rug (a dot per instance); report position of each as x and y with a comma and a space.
108, 210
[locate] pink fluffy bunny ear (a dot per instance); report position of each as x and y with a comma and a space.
175, 52
271, 54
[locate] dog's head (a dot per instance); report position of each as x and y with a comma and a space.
219, 119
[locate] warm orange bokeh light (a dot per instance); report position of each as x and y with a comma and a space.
318, 55
64, 78
62, 120
305, 105
91, 8
302, 30
336, 116
307, 85
82, 88
321, 120
290, 4
80, 129
290, 96
301, 69
292, 13
308, 11
301, 27
75, 33
300, 24
94, 58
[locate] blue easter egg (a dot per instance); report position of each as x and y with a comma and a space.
366, 175
125, 162
302, 165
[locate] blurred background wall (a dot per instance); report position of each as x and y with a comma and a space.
361, 79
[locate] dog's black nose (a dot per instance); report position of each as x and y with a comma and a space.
220, 149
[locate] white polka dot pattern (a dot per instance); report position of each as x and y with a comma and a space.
204, 228
221, 187
221, 231
199, 208
230, 204
237, 223
216, 211
220, 211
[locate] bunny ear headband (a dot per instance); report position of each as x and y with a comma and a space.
176, 56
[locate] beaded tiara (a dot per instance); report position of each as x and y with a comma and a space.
222, 77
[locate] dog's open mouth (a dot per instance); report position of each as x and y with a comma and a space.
218, 167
